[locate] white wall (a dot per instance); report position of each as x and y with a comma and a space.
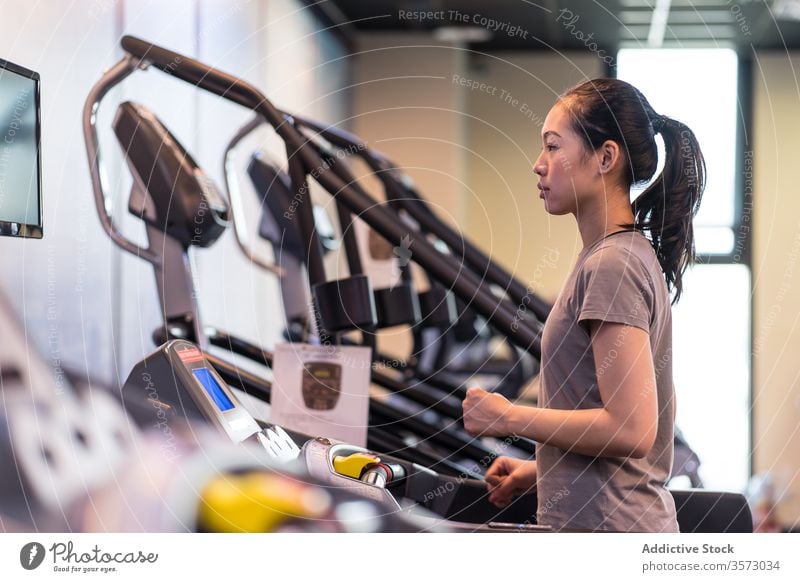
776, 300
62, 285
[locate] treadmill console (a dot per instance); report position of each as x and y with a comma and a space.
178, 378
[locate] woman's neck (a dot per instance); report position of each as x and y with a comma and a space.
612, 213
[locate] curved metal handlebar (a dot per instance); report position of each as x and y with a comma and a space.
110, 79
235, 197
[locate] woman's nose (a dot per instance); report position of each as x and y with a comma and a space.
538, 168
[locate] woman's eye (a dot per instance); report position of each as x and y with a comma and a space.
551, 147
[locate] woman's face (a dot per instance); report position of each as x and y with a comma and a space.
564, 167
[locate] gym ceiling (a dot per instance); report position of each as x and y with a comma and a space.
552, 24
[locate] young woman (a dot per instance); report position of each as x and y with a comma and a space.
607, 405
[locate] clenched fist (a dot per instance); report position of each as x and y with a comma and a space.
508, 477
485, 413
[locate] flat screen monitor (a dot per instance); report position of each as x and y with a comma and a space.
20, 158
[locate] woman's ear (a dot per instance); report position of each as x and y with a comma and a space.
608, 156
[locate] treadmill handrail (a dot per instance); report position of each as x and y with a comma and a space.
503, 314
110, 79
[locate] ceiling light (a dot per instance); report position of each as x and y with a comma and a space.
462, 34
786, 10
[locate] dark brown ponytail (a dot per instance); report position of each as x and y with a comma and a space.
610, 109
666, 209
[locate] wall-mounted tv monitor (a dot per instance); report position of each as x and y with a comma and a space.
20, 155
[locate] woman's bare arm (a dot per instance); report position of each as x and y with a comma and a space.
627, 423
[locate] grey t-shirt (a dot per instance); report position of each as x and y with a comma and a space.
618, 279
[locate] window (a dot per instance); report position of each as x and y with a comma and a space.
711, 324
699, 88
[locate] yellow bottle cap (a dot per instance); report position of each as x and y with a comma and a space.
352, 465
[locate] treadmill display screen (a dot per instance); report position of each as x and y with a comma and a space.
20, 184
213, 389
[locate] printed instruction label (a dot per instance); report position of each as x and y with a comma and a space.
322, 390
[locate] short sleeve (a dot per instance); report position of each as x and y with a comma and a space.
616, 288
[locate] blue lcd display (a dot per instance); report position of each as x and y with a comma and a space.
213, 388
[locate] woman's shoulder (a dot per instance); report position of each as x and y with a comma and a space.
625, 246
623, 254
